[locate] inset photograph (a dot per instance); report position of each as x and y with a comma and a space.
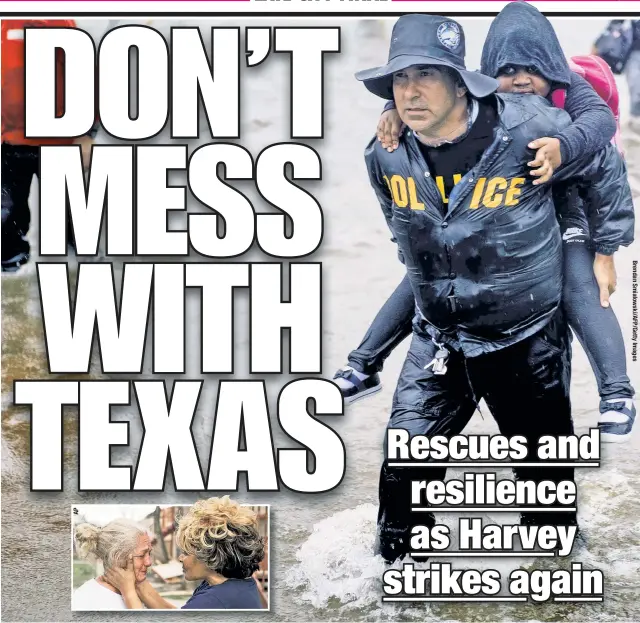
212, 555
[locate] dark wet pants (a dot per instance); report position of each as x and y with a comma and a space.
526, 387
19, 164
596, 327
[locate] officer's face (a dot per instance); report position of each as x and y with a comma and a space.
518, 79
425, 97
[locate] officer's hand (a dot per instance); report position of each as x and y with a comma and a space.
389, 128
604, 269
547, 159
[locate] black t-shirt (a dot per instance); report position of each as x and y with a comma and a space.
232, 594
448, 163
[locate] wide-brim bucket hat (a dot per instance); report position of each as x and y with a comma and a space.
425, 40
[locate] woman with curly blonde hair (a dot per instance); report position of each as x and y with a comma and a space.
222, 547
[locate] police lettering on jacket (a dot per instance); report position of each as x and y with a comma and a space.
489, 193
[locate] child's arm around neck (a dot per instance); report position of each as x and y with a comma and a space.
593, 124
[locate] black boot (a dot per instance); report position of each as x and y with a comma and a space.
393, 542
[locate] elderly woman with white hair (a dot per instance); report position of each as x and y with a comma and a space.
119, 544
221, 546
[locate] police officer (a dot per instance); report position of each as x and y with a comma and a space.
482, 249
21, 155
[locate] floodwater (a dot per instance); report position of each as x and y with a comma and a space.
321, 563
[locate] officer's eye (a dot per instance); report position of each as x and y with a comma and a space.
399, 75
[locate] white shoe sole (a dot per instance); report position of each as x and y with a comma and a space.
364, 394
613, 438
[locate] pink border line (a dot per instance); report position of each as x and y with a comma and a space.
100, 1
453, 1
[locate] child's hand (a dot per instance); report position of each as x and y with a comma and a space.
389, 128
547, 159
604, 269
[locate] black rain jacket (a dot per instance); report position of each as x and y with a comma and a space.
486, 268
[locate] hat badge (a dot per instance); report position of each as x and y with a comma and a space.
449, 35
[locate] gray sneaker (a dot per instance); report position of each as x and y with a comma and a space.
354, 388
14, 263
616, 420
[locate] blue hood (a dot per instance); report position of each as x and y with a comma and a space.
521, 35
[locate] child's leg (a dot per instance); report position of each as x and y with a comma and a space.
599, 333
595, 326
391, 325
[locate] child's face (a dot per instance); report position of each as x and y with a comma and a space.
518, 79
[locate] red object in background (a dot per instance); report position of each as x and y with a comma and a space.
599, 75
13, 80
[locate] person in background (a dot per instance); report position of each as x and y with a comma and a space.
21, 155
619, 46
221, 547
632, 72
